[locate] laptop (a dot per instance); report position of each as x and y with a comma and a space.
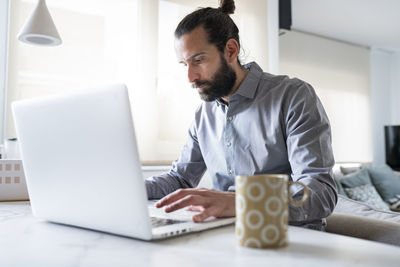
83, 169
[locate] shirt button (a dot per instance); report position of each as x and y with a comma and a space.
228, 144
230, 118
230, 171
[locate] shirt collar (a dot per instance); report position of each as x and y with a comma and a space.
249, 85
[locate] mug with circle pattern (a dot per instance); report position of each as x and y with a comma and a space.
262, 209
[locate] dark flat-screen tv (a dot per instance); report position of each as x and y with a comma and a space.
392, 144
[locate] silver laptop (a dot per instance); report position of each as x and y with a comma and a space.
82, 166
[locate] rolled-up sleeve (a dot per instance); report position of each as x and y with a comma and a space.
308, 139
185, 172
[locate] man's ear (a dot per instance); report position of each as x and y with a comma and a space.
231, 50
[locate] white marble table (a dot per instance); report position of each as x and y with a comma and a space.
27, 241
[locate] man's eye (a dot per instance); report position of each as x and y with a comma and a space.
198, 60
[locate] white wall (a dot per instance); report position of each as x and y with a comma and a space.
380, 100
395, 88
339, 73
3, 62
385, 96
273, 36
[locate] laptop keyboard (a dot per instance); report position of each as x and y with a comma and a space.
157, 222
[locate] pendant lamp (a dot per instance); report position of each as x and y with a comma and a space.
39, 29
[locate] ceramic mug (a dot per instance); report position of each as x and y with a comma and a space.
262, 209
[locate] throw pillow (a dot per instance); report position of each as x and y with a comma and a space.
339, 187
350, 169
385, 180
367, 194
395, 206
355, 179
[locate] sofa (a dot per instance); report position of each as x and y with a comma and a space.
368, 203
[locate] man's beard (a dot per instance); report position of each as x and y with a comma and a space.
220, 85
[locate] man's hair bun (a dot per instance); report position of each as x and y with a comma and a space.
227, 6
216, 22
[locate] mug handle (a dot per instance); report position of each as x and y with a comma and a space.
306, 194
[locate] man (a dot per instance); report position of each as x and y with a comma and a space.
249, 123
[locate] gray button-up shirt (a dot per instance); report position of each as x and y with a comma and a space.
273, 124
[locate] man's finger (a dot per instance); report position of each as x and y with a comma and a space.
186, 201
195, 208
174, 196
170, 198
201, 216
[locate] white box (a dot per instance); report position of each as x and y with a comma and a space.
12, 180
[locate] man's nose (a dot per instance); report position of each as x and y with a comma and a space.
192, 74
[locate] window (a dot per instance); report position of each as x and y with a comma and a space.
128, 41
101, 44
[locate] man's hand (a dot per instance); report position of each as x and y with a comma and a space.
208, 202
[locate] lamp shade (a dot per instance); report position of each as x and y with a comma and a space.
39, 29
